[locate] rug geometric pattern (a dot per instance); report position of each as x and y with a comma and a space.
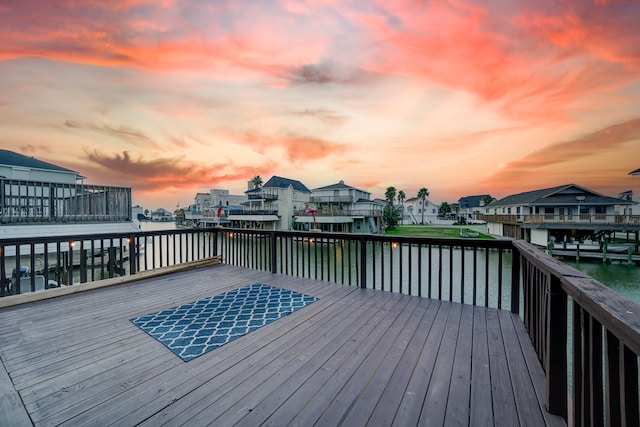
192, 329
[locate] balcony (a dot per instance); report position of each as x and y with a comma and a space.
253, 212
47, 202
263, 195
331, 199
351, 213
585, 219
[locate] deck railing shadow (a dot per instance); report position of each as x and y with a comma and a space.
586, 336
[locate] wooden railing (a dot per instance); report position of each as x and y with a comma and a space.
586, 336
473, 271
598, 218
601, 349
37, 264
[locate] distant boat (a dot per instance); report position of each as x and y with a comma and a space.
468, 233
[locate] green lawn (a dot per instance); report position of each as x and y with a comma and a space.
433, 231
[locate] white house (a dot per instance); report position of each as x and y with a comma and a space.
341, 208
272, 206
557, 213
415, 212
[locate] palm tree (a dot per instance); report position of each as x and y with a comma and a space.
390, 195
445, 208
486, 200
390, 215
401, 198
423, 193
256, 181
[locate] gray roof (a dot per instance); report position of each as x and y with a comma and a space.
471, 201
337, 186
280, 182
562, 195
10, 158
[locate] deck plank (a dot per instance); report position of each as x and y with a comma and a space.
481, 409
354, 357
504, 404
458, 402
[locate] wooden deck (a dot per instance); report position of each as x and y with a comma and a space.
355, 357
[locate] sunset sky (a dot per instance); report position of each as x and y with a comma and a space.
174, 97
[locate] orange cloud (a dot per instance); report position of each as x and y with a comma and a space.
575, 158
298, 148
162, 174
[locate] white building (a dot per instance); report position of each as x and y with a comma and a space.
550, 214
415, 212
272, 206
341, 208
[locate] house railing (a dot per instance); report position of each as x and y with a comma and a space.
331, 199
37, 264
253, 212
341, 212
575, 218
586, 336
24, 201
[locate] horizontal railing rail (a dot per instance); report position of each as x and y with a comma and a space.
254, 212
340, 212
39, 263
555, 218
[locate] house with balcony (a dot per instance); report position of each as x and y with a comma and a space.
271, 206
38, 198
414, 211
469, 207
564, 213
213, 208
341, 208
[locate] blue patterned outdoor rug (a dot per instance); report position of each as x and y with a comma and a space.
195, 328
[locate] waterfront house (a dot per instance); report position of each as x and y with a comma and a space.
38, 198
341, 208
471, 206
272, 206
412, 213
213, 208
565, 212
161, 214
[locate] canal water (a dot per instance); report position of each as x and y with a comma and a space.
621, 278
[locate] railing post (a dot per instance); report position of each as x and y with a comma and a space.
272, 241
133, 254
515, 281
363, 262
555, 357
215, 241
